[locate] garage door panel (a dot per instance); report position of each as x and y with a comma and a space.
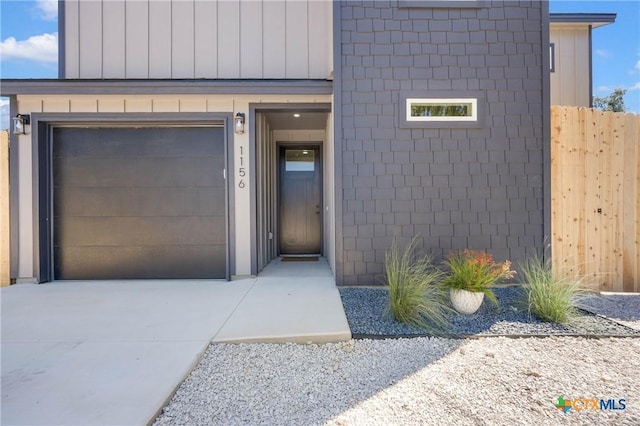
158, 142
127, 231
108, 263
145, 172
137, 201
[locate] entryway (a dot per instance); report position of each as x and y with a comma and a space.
294, 204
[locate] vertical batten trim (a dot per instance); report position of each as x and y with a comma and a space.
217, 42
101, 42
239, 39
285, 40
308, 43
171, 38
148, 39
193, 27
124, 71
262, 40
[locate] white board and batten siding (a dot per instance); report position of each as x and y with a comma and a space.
183, 39
571, 79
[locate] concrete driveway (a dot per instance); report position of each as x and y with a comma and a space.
112, 353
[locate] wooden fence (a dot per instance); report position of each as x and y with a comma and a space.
595, 200
4, 209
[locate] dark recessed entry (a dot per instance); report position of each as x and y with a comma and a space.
132, 203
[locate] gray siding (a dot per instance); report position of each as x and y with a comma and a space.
479, 188
257, 39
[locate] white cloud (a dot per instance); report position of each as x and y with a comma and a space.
604, 89
602, 53
637, 67
635, 87
47, 9
40, 48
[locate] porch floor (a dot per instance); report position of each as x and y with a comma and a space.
289, 301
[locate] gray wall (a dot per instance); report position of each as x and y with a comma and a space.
255, 39
479, 188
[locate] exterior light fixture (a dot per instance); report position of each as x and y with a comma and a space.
238, 125
296, 115
20, 122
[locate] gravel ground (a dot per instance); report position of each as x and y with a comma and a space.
425, 380
623, 308
431, 381
366, 313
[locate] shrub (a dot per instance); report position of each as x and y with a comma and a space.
476, 271
550, 298
415, 291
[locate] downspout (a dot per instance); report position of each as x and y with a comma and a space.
546, 130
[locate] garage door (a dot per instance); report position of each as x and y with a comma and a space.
132, 203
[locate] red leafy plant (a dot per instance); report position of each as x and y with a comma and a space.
476, 271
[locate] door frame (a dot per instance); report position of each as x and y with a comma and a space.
255, 108
280, 146
42, 164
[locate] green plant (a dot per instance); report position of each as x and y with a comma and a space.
550, 298
476, 271
415, 293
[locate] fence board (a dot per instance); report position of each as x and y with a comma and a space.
556, 191
595, 200
4, 209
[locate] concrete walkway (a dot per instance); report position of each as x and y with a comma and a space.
112, 353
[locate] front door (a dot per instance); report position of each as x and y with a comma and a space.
300, 199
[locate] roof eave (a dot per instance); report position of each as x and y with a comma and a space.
594, 19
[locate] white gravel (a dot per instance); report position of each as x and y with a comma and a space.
431, 381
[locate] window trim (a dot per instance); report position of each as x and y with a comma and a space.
442, 4
466, 118
478, 123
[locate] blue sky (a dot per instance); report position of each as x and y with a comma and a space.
29, 31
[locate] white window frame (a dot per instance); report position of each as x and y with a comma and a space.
471, 101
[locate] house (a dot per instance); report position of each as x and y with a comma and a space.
571, 56
190, 139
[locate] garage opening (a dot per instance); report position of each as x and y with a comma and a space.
138, 203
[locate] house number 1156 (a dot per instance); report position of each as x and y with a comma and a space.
241, 170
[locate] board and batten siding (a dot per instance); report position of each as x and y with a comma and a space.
570, 81
178, 39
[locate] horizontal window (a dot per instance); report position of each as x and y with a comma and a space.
299, 160
458, 109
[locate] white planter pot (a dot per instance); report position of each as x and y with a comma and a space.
466, 302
